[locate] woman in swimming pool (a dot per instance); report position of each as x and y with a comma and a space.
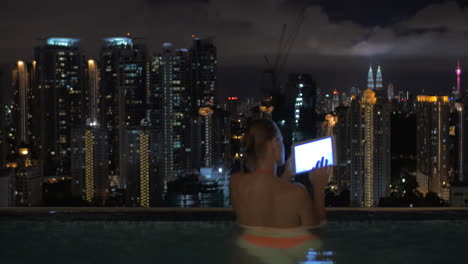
276, 215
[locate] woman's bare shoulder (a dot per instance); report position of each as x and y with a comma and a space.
236, 177
296, 190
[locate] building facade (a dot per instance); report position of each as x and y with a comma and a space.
363, 140
57, 103
432, 115
123, 98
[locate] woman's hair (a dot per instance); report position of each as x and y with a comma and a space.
254, 141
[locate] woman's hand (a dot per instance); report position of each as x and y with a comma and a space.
288, 172
320, 175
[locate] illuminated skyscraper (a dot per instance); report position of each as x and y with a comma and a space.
211, 134
204, 62
144, 184
458, 72
300, 106
379, 82
462, 140
363, 134
57, 102
370, 79
23, 78
459, 185
89, 163
432, 142
123, 99
170, 95
90, 173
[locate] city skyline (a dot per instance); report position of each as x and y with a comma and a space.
403, 36
444, 80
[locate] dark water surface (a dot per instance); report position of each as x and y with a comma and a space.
213, 242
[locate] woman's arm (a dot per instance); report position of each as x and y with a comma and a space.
319, 179
312, 209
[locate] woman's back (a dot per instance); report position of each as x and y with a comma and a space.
264, 200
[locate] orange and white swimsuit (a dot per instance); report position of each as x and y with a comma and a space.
278, 245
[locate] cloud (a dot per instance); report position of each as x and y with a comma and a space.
244, 30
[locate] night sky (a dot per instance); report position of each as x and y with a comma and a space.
417, 42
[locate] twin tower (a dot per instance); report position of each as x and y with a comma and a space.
375, 83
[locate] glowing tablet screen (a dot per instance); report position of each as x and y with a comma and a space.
307, 154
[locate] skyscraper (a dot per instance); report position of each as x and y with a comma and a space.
89, 164
363, 140
144, 184
300, 106
204, 62
210, 145
370, 79
432, 141
57, 102
123, 98
458, 72
379, 82
89, 157
462, 140
171, 97
23, 75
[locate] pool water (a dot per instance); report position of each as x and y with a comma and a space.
213, 242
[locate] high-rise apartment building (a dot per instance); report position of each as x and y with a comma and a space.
57, 102
210, 139
462, 140
144, 183
89, 164
89, 157
23, 79
432, 114
203, 59
123, 98
363, 140
172, 101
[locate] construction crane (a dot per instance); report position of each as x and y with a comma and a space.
274, 70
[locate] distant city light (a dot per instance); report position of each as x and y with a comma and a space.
120, 41
66, 42
459, 71
23, 151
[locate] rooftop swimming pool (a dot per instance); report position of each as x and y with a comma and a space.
26, 241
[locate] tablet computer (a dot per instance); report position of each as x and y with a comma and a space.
307, 153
